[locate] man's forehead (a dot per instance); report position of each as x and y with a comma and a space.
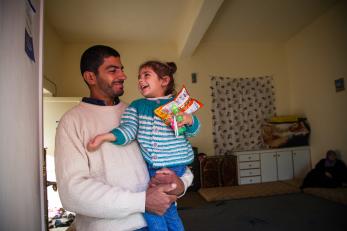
112, 61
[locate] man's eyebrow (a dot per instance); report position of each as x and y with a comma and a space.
115, 66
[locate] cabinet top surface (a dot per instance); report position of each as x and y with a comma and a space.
236, 153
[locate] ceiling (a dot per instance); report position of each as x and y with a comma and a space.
183, 23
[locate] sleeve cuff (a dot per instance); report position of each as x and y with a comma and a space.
139, 201
187, 180
194, 126
120, 138
129, 203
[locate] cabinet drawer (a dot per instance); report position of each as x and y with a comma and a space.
248, 157
250, 172
248, 165
249, 180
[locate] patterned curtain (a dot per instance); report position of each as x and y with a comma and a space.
239, 108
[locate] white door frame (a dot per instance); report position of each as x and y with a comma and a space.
43, 197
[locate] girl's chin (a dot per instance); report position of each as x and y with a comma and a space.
148, 95
145, 92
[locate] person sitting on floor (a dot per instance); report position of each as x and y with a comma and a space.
329, 172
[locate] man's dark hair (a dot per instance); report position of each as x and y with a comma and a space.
94, 56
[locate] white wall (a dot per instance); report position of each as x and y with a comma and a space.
20, 89
52, 59
316, 57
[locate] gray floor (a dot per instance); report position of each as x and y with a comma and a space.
286, 212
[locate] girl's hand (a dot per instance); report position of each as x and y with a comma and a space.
187, 119
94, 144
97, 141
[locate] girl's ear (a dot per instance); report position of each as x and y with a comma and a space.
89, 77
165, 80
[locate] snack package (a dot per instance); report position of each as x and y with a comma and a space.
182, 103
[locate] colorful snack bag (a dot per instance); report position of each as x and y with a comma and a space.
182, 103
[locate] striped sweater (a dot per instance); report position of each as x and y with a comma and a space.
158, 144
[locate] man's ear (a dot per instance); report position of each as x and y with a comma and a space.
165, 80
89, 77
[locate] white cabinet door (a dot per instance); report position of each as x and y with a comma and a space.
285, 165
268, 166
302, 162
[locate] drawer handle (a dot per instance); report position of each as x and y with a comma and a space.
250, 180
250, 173
250, 165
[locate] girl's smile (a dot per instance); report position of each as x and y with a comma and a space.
150, 85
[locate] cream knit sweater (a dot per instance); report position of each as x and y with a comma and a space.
105, 188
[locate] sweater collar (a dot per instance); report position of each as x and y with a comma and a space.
162, 97
99, 102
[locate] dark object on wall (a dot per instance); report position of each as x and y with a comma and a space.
194, 78
339, 84
218, 171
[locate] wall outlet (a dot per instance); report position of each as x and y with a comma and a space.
339, 84
194, 78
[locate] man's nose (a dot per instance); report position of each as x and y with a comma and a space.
122, 76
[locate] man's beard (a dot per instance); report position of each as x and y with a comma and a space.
108, 89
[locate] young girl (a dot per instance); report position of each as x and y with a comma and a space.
158, 144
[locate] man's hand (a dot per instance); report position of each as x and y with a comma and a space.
157, 199
167, 176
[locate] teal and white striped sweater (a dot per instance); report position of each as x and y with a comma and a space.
158, 144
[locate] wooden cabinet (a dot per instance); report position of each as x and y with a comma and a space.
261, 166
218, 171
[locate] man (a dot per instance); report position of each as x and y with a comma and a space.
107, 189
